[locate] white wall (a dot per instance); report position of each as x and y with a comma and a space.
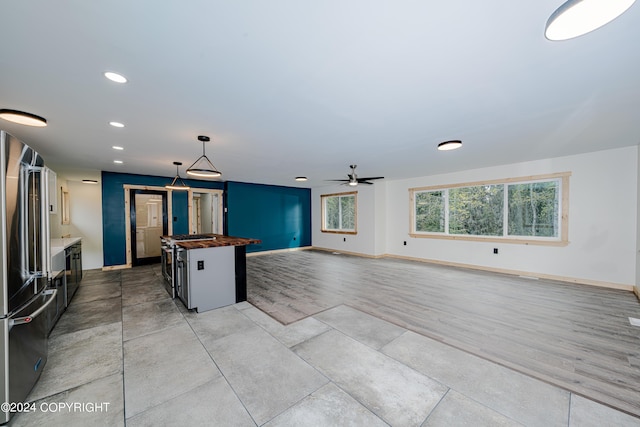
362, 243
637, 283
85, 214
603, 221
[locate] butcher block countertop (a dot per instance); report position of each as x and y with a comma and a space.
217, 241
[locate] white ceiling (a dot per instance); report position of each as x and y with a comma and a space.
287, 88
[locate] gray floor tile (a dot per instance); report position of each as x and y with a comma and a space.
80, 357
328, 406
150, 317
161, 366
211, 404
587, 413
360, 326
456, 409
265, 374
510, 393
86, 315
101, 400
291, 334
97, 292
215, 324
148, 292
394, 392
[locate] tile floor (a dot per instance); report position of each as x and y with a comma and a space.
124, 342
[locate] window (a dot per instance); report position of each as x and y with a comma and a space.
476, 211
533, 209
517, 210
430, 211
339, 213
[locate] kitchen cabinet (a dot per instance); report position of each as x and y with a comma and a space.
210, 269
73, 269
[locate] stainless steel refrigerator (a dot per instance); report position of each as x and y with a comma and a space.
24, 252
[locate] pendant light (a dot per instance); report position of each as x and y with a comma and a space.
23, 118
177, 183
203, 167
577, 17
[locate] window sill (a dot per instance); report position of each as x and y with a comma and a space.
517, 241
338, 232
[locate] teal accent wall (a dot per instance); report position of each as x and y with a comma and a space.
114, 241
279, 216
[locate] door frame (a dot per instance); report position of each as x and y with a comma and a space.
211, 191
127, 214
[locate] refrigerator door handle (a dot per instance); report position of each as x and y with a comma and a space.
27, 319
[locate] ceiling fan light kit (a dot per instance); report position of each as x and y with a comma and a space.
577, 17
354, 180
177, 183
23, 118
203, 167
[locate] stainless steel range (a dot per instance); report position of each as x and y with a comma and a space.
169, 252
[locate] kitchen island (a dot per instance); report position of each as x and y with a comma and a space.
210, 270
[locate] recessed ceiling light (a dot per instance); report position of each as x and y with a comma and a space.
577, 17
449, 145
118, 162
116, 124
301, 178
117, 147
115, 77
89, 181
23, 118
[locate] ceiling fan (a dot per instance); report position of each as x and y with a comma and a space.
354, 180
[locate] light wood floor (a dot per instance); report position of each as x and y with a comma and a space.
574, 336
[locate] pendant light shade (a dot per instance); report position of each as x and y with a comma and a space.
577, 17
177, 183
23, 118
203, 167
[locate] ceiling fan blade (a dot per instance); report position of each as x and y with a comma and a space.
365, 182
370, 178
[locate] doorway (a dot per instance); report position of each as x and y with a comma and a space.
206, 212
149, 221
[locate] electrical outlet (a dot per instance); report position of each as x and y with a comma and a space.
201, 265
405, 243
495, 251
344, 239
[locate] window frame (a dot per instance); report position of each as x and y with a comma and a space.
324, 197
563, 212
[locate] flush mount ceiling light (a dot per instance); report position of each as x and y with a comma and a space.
301, 178
23, 118
118, 162
577, 17
177, 183
117, 147
203, 167
449, 145
115, 77
116, 124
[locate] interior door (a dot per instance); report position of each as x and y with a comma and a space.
149, 221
